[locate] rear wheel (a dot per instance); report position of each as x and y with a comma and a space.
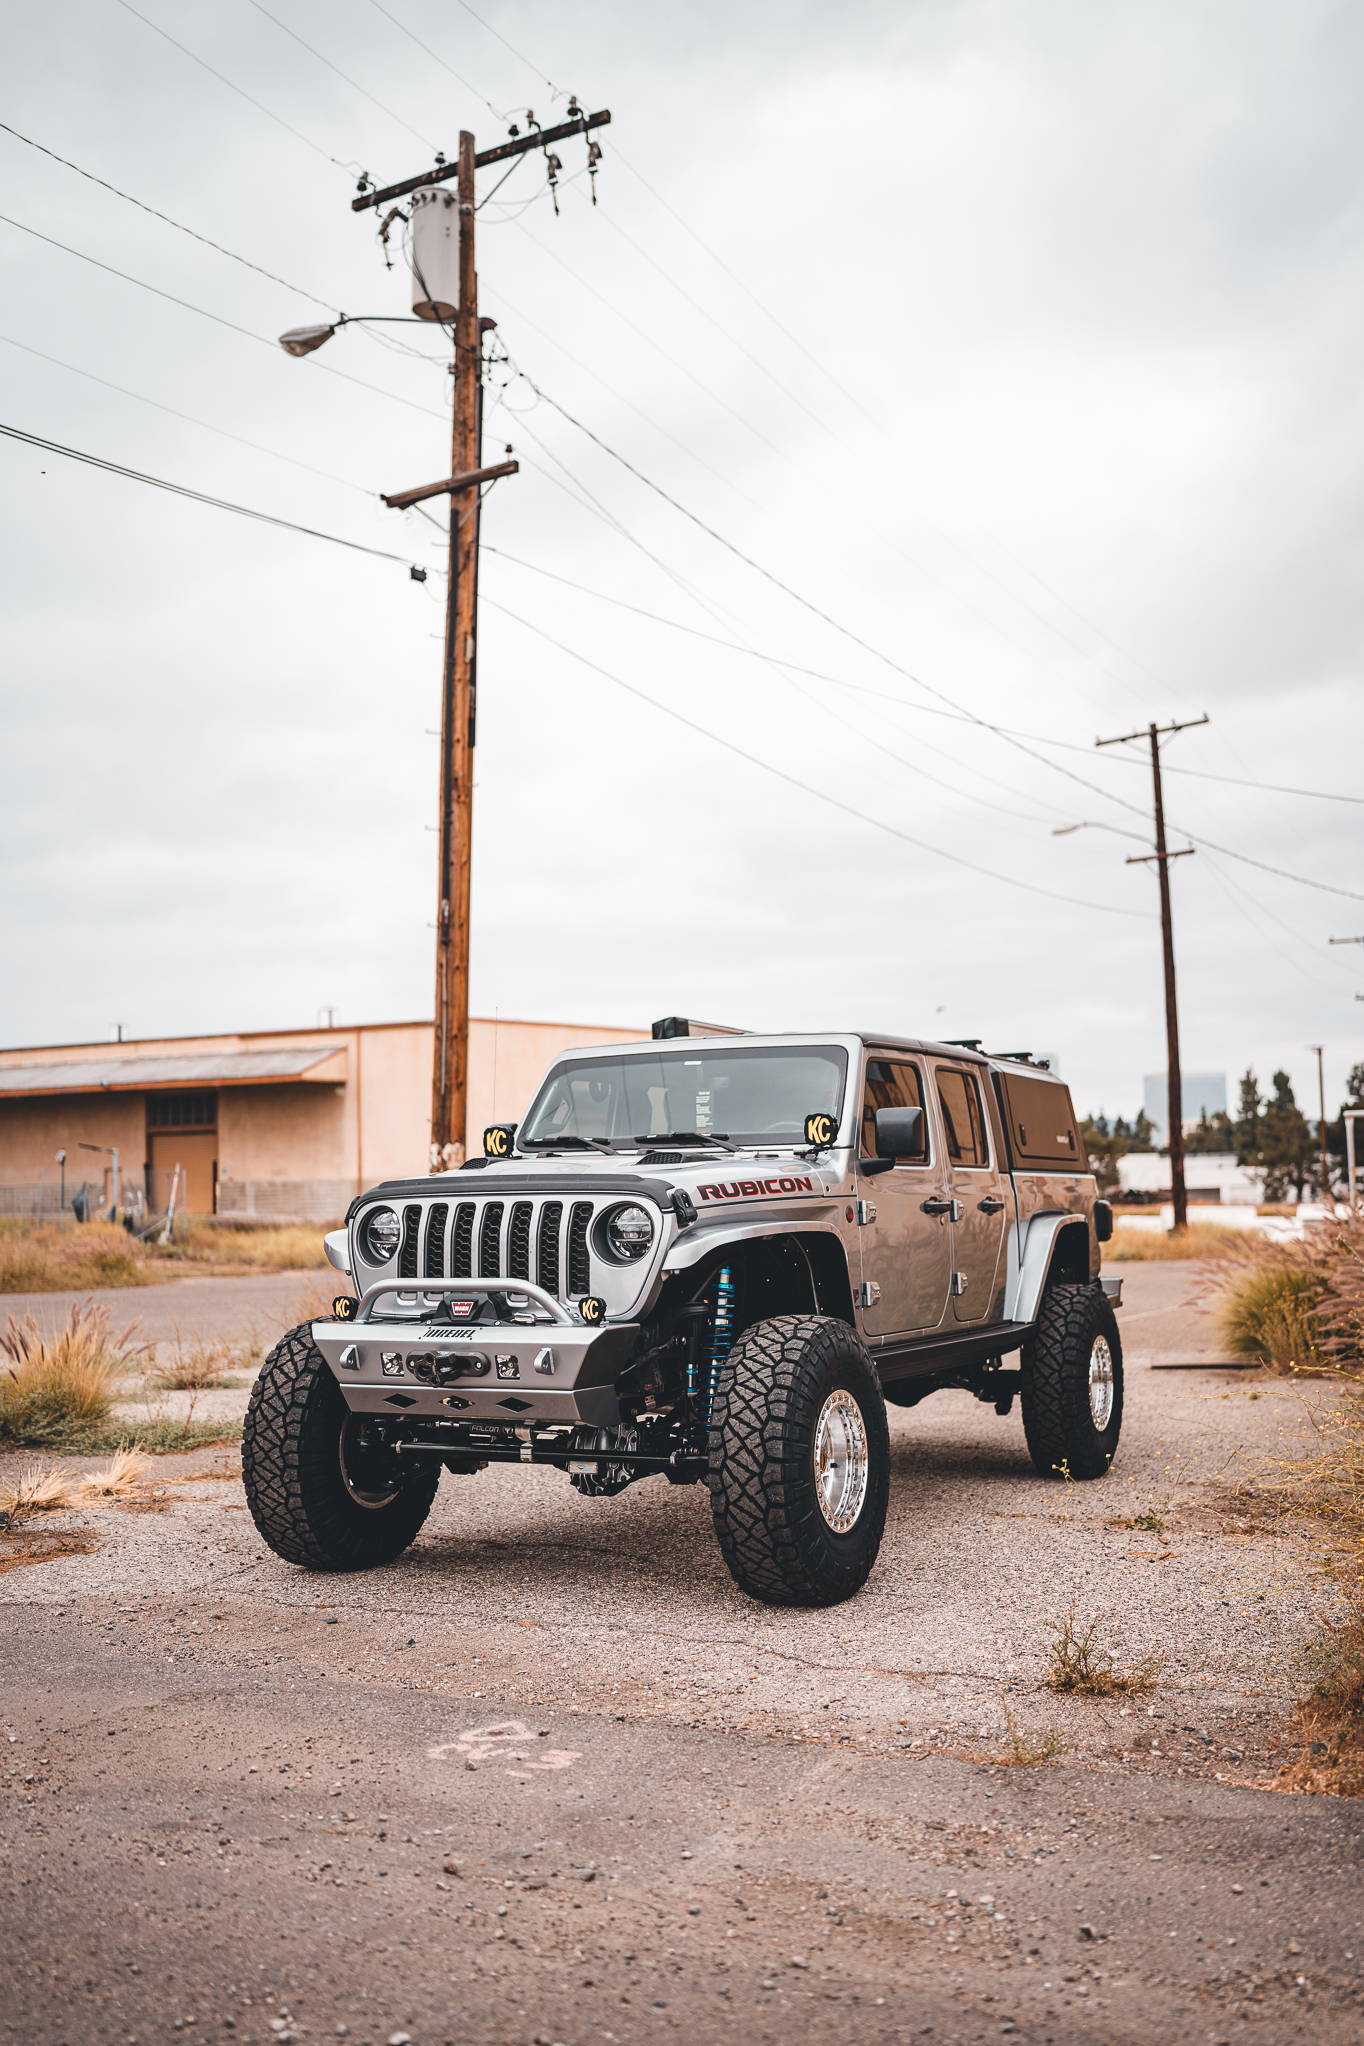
799, 1462
324, 1487
1072, 1384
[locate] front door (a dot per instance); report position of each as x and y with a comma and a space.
980, 1193
905, 1252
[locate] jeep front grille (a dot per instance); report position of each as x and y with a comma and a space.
546, 1241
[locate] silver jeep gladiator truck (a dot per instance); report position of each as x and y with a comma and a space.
709, 1256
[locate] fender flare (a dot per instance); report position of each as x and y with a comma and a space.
1038, 1241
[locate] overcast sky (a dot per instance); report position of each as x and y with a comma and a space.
1022, 340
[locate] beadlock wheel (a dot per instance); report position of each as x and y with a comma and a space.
841, 1461
1101, 1383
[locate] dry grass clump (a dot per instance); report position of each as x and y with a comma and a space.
41, 1258
288, 1247
1083, 1666
122, 1478
1029, 1750
200, 1365
1199, 1240
34, 1491
53, 1387
1299, 1305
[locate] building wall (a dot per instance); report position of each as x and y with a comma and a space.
293, 1149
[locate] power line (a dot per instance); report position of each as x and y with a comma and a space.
219, 319
435, 56
54, 447
240, 91
930, 710
157, 214
806, 788
142, 399
364, 91
790, 668
984, 724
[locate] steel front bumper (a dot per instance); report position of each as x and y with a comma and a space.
514, 1373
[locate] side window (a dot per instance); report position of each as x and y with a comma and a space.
963, 1118
891, 1084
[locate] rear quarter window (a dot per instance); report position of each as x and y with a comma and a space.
1040, 1121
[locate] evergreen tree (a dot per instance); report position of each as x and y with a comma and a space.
1288, 1151
1246, 1129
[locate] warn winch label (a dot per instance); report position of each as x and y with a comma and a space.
754, 1189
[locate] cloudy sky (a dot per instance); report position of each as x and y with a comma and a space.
1022, 341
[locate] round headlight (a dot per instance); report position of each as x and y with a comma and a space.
629, 1232
380, 1234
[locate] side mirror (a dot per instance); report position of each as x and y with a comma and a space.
336, 1243
899, 1134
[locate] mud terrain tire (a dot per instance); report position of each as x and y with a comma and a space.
1071, 1422
297, 1444
796, 1389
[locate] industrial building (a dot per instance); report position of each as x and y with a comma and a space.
264, 1124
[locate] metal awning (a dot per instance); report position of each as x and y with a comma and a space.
324, 1063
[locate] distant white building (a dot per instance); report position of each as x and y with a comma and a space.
1208, 1176
1203, 1093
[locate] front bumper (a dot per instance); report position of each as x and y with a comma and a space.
516, 1373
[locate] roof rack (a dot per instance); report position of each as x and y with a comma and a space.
966, 1043
1022, 1058
688, 1026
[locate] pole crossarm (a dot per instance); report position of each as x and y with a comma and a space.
401, 499
536, 139
1141, 859
1125, 738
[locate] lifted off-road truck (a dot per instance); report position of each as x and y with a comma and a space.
712, 1257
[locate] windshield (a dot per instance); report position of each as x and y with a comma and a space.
742, 1096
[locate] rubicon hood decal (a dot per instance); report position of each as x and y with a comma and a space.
757, 1189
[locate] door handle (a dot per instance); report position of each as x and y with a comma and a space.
936, 1205
990, 1206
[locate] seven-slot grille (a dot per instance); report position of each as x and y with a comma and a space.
547, 1241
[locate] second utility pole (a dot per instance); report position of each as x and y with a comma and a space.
1174, 1085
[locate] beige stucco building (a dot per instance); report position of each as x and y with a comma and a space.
281, 1124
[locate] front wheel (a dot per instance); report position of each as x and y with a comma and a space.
1072, 1384
799, 1459
324, 1488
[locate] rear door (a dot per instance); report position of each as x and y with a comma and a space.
979, 1189
906, 1252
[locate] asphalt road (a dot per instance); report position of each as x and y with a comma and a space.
234, 1789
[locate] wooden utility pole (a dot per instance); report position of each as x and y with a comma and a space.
459, 690
1321, 1122
450, 1071
1161, 858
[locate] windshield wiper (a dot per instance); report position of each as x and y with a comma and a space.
565, 1143
717, 1138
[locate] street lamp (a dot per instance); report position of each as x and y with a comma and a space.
1089, 824
303, 340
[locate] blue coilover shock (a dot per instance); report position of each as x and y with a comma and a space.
719, 1337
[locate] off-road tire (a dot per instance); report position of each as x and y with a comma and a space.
291, 1465
1063, 1439
774, 1537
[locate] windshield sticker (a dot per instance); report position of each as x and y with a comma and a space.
754, 1189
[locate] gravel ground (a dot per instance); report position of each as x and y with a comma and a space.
842, 1772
